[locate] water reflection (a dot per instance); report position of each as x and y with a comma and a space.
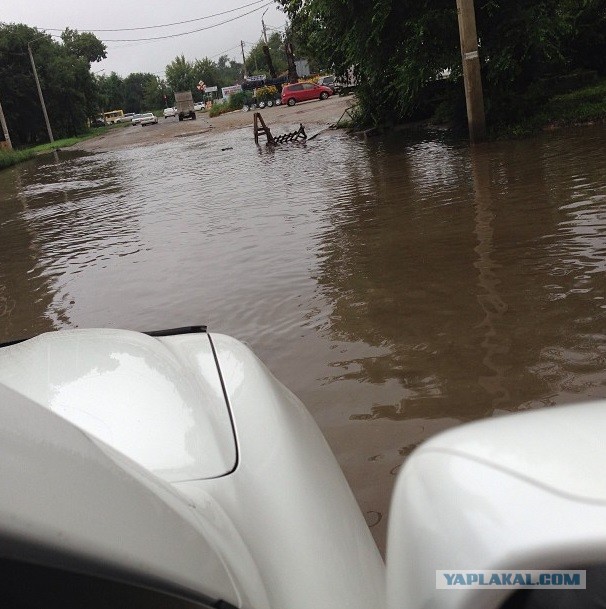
25, 293
490, 300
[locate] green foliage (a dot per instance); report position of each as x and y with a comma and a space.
112, 93
141, 92
235, 102
181, 75
184, 75
256, 61
69, 89
398, 49
12, 157
585, 104
66, 142
86, 45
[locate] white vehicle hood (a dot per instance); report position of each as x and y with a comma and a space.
159, 401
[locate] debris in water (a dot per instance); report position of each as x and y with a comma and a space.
281, 139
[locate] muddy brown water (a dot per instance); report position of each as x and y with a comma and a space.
399, 286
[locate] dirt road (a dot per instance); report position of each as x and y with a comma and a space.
314, 114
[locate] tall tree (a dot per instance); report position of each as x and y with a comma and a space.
153, 96
112, 93
206, 71
70, 90
141, 89
85, 45
180, 74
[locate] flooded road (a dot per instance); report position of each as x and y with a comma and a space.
398, 286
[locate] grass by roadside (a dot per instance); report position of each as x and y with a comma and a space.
581, 106
12, 157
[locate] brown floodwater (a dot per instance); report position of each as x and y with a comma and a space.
399, 286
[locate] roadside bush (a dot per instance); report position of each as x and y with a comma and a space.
266, 93
235, 102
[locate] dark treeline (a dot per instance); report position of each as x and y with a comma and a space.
64, 68
401, 50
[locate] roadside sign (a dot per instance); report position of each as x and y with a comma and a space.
230, 90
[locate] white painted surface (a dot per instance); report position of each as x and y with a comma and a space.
288, 497
67, 501
282, 529
517, 492
158, 402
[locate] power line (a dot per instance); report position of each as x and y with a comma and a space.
208, 27
152, 27
224, 52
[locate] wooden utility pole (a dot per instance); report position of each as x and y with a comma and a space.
471, 71
48, 127
270, 63
7, 137
243, 58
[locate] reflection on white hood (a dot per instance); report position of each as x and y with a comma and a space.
157, 400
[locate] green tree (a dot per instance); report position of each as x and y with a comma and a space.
141, 92
112, 93
181, 74
86, 45
153, 93
70, 90
206, 71
229, 71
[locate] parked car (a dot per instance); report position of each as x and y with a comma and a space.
172, 470
199, 106
170, 112
344, 85
149, 118
304, 91
125, 118
328, 81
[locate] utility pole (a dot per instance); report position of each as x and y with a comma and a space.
290, 58
7, 137
263, 24
471, 71
243, 58
270, 63
48, 127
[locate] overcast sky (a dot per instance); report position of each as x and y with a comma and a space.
53, 16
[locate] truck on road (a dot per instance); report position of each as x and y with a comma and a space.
184, 102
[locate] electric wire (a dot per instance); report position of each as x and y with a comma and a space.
152, 27
208, 27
